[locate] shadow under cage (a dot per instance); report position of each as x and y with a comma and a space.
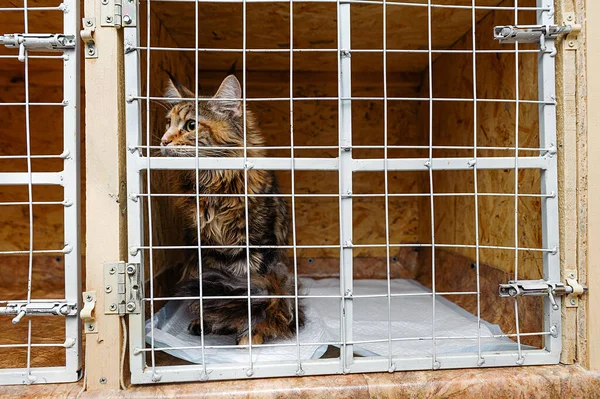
416, 156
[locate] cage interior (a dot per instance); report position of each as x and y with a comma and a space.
272, 73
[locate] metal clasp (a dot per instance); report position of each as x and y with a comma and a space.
541, 288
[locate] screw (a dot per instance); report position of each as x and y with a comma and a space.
88, 298
130, 306
91, 327
91, 51
571, 275
573, 301
130, 269
112, 270
571, 43
113, 307
102, 380
108, 289
127, 19
569, 18
109, 19
88, 22
104, 2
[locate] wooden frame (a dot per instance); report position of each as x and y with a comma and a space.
590, 136
104, 162
104, 169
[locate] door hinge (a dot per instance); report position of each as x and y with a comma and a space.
37, 42
118, 13
532, 33
20, 309
122, 288
87, 35
542, 288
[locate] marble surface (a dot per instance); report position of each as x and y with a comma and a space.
526, 382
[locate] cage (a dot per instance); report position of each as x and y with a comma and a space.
415, 147
415, 152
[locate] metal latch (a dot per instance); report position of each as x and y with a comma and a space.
532, 33
39, 42
87, 35
540, 288
21, 309
122, 288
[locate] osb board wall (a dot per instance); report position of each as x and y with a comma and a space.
315, 123
45, 85
315, 26
453, 125
457, 273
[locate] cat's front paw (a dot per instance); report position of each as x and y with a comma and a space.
257, 339
195, 327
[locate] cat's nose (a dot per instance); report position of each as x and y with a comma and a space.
165, 142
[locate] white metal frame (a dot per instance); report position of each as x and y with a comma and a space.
69, 179
542, 158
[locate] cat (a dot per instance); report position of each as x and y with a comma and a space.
220, 125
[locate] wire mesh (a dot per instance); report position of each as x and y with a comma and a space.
39, 175
435, 160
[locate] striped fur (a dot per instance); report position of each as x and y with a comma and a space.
220, 124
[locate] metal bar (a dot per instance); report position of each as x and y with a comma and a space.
332, 195
391, 365
435, 364
71, 183
326, 366
293, 187
334, 147
391, 3
320, 50
549, 181
259, 99
155, 375
408, 245
22, 178
198, 223
480, 359
250, 370
30, 378
356, 165
345, 181
135, 219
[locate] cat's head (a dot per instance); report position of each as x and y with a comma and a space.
220, 121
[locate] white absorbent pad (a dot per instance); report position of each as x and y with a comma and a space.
411, 322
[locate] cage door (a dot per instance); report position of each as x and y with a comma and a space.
40, 300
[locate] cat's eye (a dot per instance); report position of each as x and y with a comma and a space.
190, 125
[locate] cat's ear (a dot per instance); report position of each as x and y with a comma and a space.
226, 100
176, 90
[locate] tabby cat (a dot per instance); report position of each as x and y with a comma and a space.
223, 219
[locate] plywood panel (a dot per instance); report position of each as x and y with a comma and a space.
315, 26
453, 126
